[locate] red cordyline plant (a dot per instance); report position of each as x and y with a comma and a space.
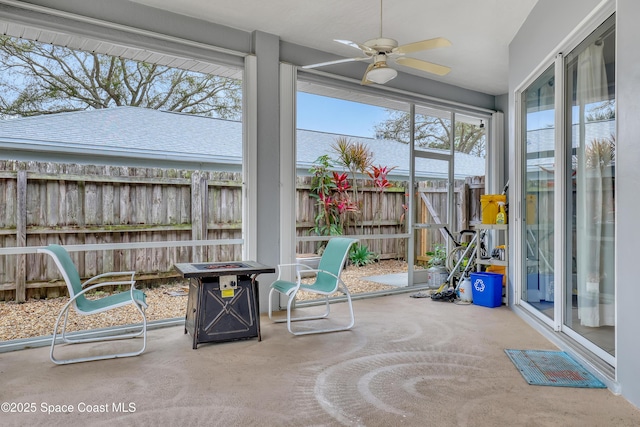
342, 202
332, 193
341, 182
379, 176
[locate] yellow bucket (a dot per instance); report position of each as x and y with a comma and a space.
489, 205
501, 269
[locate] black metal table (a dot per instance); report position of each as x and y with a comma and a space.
223, 301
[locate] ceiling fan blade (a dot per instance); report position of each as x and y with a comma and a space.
429, 67
337, 61
364, 77
366, 49
423, 45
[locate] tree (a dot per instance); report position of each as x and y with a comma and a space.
433, 132
37, 78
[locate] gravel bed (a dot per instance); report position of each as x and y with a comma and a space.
36, 317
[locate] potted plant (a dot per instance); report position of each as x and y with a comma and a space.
438, 255
437, 272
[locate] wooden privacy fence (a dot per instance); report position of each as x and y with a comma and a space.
72, 204
384, 213
466, 211
379, 213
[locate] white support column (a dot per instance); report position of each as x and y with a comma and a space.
266, 48
496, 176
250, 159
496, 155
288, 76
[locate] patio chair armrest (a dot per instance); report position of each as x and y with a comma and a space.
103, 284
112, 274
327, 272
100, 285
294, 264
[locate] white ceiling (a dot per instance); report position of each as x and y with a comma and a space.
479, 30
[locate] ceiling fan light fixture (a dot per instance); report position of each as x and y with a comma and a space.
381, 74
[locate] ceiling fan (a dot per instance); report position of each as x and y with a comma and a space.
380, 49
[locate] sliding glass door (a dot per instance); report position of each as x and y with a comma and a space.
538, 141
567, 146
590, 112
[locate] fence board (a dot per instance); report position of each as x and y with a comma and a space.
21, 236
197, 214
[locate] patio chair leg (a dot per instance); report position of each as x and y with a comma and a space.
66, 340
323, 316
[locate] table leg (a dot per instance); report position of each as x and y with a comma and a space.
256, 303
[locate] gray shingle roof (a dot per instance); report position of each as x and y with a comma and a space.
136, 132
129, 130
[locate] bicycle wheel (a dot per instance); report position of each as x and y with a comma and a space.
459, 258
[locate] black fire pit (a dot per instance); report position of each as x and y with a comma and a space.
223, 300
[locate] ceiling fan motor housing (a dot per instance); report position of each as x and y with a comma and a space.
382, 44
379, 59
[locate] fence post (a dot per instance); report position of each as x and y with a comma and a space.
198, 219
21, 236
463, 203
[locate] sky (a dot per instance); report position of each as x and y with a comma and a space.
324, 114
540, 119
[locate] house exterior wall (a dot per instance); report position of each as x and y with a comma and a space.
549, 23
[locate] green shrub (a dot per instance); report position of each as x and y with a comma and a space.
361, 255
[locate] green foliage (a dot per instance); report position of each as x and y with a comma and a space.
361, 255
433, 132
321, 186
438, 255
321, 182
39, 78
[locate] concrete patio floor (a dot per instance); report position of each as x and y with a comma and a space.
408, 361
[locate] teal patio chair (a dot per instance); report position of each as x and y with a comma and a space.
327, 282
85, 306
